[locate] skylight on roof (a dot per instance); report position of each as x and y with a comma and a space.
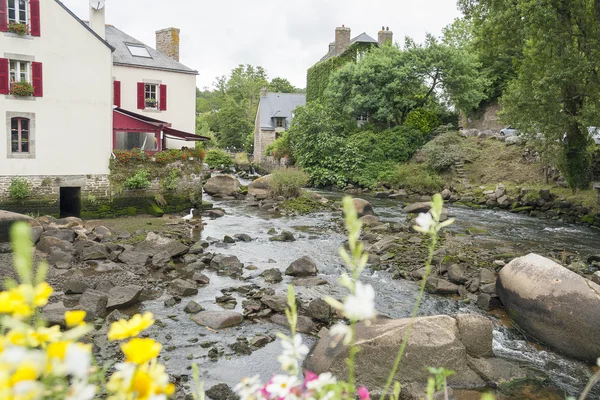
138, 51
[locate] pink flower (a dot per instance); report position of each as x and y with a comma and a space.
310, 376
363, 393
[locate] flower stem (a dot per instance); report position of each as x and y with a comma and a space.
590, 385
415, 311
351, 358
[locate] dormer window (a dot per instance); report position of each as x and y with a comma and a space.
17, 11
280, 122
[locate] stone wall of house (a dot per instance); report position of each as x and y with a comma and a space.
261, 142
48, 186
485, 119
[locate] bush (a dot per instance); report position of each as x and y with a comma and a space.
423, 120
139, 180
281, 147
171, 182
241, 160
128, 157
442, 151
288, 182
415, 177
19, 189
217, 158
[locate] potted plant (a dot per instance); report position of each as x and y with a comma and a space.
21, 89
18, 28
150, 102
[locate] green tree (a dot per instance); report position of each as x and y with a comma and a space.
244, 85
232, 123
557, 87
281, 85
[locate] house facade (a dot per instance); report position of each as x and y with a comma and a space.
57, 136
274, 116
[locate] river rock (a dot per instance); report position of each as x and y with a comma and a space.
434, 341
284, 236
94, 252
261, 187
47, 243
487, 276
155, 244
221, 392
222, 186
272, 275
93, 302
182, 288
496, 371
242, 237
102, 232
161, 259
370, 220
304, 324
441, 286
446, 194
596, 277
302, 267
121, 297
135, 258
74, 286
473, 327
54, 314
456, 274
277, 302
309, 282
62, 234
553, 305
488, 302
7, 219
319, 309
417, 208
363, 207
193, 308
218, 319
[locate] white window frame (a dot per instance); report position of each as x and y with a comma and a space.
17, 9
20, 68
149, 93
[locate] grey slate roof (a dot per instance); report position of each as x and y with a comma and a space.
362, 38
280, 105
122, 56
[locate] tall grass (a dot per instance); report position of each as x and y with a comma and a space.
288, 182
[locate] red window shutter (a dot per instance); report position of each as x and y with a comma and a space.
3, 17
34, 9
163, 98
38, 82
141, 93
4, 77
117, 93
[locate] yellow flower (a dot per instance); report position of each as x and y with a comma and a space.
140, 351
142, 385
43, 336
74, 318
17, 338
123, 329
57, 350
42, 294
25, 372
13, 302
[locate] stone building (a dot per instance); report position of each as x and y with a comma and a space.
274, 115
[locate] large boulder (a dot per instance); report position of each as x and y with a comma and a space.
222, 186
302, 268
155, 244
48, 243
123, 296
434, 341
8, 218
218, 319
363, 207
261, 188
553, 305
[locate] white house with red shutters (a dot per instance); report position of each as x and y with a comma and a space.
89, 89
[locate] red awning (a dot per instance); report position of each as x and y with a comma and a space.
180, 135
141, 118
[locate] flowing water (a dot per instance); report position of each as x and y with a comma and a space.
319, 236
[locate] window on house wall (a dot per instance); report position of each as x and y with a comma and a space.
19, 135
20, 71
136, 140
17, 11
151, 93
280, 122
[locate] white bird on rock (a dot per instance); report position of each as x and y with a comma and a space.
190, 216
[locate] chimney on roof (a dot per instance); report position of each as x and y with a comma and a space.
342, 39
98, 21
385, 36
167, 42
264, 92
331, 47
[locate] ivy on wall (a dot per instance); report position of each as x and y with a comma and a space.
318, 75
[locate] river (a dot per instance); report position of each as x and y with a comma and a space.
318, 236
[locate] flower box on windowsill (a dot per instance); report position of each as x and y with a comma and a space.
20, 29
21, 89
151, 103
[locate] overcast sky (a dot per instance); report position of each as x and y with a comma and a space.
286, 37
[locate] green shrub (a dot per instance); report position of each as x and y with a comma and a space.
288, 182
423, 120
241, 160
19, 189
139, 180
416, 177
171, 181
217, 158
281, 147
442, 151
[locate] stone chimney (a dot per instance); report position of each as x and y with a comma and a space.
264, 92
98, 21
385, 36
331, 47
167, 42
342, 39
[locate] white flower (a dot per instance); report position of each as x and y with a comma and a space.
281, 385
293, 352
360, 306
424, 222
340, 332
28, 390
78, 360
81, 390
325, 379
248, 388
